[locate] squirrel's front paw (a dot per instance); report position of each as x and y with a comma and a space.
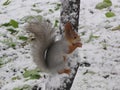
66, 71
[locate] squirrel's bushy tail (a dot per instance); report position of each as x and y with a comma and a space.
44, 37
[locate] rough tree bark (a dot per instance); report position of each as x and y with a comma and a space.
70, 12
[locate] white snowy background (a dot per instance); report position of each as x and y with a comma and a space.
101, 45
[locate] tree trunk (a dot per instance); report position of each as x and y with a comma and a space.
70, 12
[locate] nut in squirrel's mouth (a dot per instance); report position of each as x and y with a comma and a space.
78, 44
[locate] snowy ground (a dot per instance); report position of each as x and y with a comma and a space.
101, 44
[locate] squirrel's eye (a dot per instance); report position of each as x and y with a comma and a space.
75, 37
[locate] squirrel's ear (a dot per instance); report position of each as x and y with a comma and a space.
68, 26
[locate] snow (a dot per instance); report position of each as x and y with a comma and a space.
103, 53
103, 62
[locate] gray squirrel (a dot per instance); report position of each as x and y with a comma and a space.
48, 54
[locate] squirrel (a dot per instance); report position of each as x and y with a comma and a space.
50, 55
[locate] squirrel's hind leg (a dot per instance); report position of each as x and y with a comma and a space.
66, 71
